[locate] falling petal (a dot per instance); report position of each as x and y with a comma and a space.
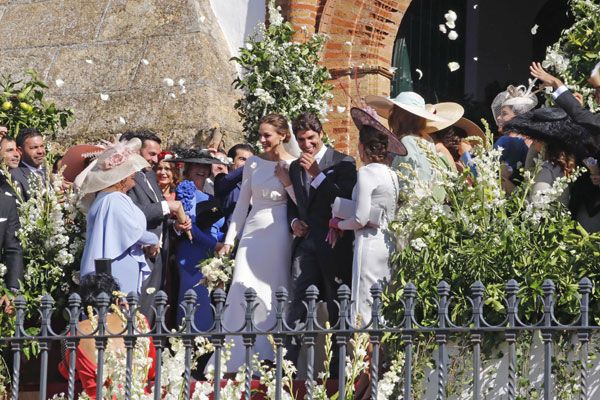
59, 82
443, 29
393, 69
150, 290
348, 43
145, 62
104, 97
475, 58
450, 16
418, 71
534, 29
340, 109
172, 95
453, 66
453, 35
183, 90
451, 24
89, 61
202, 18
475, 6
181, 82
122, 120
168, 81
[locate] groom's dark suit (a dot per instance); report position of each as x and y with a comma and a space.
314, 261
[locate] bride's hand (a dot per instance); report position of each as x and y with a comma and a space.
282, 173
222, 249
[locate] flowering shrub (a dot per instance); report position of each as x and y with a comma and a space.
477, 232
51, 235
578, 50
217, 272
22, 105
280, 75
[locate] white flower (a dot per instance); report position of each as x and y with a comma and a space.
104, 97
450, 16
249, 46
59, 83
169, 82
418, 244
443, 29
451, 24
534, 29
453, 66
452, 35
3, 269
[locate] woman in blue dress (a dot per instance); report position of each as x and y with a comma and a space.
116, 227
205, 233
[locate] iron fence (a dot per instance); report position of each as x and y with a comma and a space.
410, 330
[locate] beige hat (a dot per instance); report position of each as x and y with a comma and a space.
471, 128
450, 112
113, 165
594, 78
408, 101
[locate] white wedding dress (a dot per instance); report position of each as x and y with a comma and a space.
263, 255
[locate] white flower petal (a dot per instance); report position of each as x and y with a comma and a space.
475, 6
450, 16
168, 81
89, 61
172, 95
104, 97
59, 82
418, 71
475, 58
451, 24
122, 120
453, 66
443, 29
453, 35
393, 69
534, 29
348, 43
340, 109
202, 18
181, 82
145, 62
150, 290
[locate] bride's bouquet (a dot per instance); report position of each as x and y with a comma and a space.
217, 272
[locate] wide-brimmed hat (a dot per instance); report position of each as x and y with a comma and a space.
113, 165
408, 101
75, 159
450, 112
195, 156
362, 118
551, 124
470, 128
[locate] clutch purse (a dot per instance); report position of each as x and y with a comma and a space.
345, 209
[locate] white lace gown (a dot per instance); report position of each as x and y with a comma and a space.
263, 255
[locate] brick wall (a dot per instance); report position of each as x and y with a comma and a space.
358, 52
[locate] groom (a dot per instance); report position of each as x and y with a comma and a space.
319, 176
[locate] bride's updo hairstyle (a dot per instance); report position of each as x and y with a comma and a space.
280, 123
374, 143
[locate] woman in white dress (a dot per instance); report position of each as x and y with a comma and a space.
376, 195
263, 254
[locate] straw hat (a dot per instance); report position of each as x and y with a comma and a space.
450, 112
362, 118
408, 101
594, 78
113, 165
74, 160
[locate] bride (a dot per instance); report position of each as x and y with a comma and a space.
263, 254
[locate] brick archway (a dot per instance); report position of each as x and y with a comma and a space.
358, 53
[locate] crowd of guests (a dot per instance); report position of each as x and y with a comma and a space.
299, 213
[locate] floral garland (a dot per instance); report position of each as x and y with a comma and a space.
280, 75
577, 50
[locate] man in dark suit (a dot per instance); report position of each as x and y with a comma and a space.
149, 198
228, 186
569, 101
30, 143
319, 176
12, 255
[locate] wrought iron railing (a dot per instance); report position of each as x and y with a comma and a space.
409, 330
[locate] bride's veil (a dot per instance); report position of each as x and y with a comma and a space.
292, 145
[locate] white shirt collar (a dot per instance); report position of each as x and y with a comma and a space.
320, 153
33, 169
